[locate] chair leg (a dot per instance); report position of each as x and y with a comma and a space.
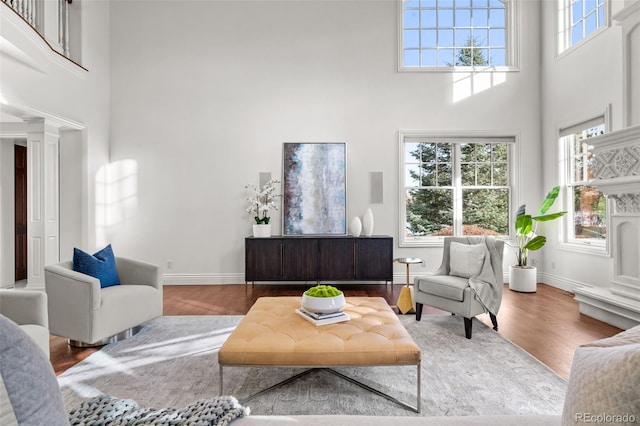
494, 321
468, 323
418, 311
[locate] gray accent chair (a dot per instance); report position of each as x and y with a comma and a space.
451, 293
28, 309
88, 315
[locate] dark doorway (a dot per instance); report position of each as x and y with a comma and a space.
20, 161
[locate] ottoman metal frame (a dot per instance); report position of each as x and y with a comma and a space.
330, 369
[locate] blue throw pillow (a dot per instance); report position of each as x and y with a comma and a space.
101, 265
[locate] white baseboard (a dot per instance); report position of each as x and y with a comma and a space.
398, 278
202, 279
238, 278
401, 277
560, 282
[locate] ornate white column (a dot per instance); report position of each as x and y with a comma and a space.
43, 230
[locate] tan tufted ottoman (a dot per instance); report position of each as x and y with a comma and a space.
272, 334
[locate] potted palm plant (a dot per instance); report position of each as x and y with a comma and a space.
522, 277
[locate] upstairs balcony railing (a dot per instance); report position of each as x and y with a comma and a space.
52, 19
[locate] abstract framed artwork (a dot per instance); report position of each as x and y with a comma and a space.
314, 188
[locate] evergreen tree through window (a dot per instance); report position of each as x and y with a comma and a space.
455, 33
455, 186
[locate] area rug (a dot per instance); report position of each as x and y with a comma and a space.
172, 362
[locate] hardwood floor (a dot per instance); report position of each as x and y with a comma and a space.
547, 324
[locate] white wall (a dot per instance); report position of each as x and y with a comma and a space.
73, 175
577, 85
201, 95
37, 82
204, 93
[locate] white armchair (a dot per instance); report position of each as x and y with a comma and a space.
88, 315
447, 290
28, 309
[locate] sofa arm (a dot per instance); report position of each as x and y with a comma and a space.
74, 288
24, 307
73, 298
139, 273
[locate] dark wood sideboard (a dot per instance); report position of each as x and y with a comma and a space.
319, 258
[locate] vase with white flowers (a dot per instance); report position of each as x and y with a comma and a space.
261, 201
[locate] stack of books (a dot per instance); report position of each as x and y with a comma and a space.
322, 319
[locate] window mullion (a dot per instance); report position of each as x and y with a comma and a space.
571, 149
585, 162
420, 36
457, 189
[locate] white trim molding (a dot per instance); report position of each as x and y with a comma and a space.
202, 279
605, 306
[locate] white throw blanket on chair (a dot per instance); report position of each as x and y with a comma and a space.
487, 291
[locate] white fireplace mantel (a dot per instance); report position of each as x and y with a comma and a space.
616, 157
616, 160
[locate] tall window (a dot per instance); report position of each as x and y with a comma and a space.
437, 34
454, 186
578, 19
586, 205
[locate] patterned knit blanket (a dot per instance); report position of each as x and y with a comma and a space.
109, 411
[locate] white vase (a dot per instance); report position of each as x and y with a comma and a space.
262, 231
523, 279
355, 226
367, 223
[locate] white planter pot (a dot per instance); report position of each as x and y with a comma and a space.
523, 279
323, 305
262, 231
